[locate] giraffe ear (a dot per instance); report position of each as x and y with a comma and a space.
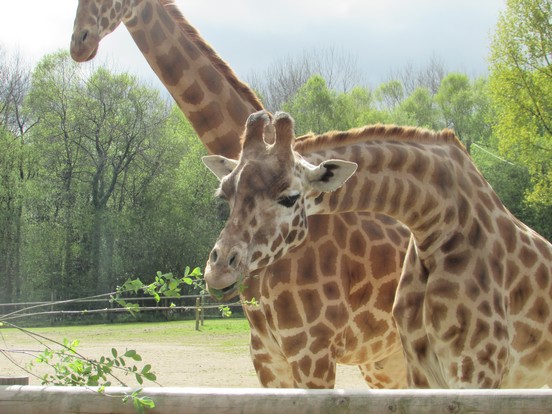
331, 174
219, 165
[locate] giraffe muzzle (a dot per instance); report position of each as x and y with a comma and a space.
84, 46
224, 271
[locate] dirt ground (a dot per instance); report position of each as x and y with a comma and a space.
224, 362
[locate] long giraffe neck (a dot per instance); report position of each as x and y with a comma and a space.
424, 182
207, 91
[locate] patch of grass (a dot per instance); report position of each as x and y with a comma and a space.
233, 331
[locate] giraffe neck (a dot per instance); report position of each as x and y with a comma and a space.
433, 188
207, 91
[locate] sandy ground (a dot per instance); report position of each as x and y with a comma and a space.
210, 362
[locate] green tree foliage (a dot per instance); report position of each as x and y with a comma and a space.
114, 186
521, 92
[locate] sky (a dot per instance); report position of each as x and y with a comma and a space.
383, 36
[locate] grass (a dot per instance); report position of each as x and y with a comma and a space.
235, 332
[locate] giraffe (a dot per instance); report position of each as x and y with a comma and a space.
217, 104
474, 301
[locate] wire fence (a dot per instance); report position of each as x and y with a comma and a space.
102, 308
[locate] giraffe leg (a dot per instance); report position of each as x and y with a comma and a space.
315, 374
387, 373
422, 369
273, 370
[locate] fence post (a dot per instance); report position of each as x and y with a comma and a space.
14, 380
202, 310
198, 312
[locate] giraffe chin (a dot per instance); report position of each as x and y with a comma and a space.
225, 294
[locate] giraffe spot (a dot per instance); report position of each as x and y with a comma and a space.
357, 243
211, 78
507, 232
512, 272
158, 36
382, 260
188, 47
467, 370
386, 296
544, 248
438, 314
484, 218
166, 19
485, 309
476, 236
331, 291
456, 263
457, 334
539, 312
312, 303
498, 304
418, 168
292, 345
340, 232
305, 365
258, 321
147, 13
441, 179
307, 267
525, 336
500, 331
542, 277
420, 348
324, 368
141, 41
193, 94
519, 296
328, 258
528, 257
361, 296
227, 144
456, 240
266, 376
442, 288
481, 276
207, 119
321, 336
287, 312
485, 357
370, 326
337, 315
237, 110
172, 65
481, 332
486, 200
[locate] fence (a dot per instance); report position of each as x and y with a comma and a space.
49, 400
80, 310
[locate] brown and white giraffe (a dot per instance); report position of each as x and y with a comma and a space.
324, 301
474, 304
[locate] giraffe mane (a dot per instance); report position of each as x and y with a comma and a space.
335, 139
217, 61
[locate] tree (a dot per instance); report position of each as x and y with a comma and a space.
16, 168
101, 139
521, 92
281, 81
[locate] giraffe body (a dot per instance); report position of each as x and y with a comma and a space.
473, 306
358, 328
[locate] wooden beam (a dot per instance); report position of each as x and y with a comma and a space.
64, 400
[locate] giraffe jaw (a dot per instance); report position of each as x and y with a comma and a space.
85, 49
225, 294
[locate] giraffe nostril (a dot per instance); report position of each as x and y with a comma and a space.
233, 261
214, 256
84, 36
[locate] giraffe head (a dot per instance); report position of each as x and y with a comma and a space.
270, 191
95, 19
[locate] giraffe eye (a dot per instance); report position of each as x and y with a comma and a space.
288, 201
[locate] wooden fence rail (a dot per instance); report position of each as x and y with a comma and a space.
64, 400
